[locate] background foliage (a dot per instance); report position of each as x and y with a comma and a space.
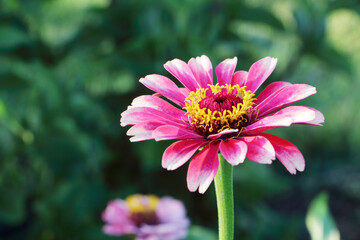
69, 68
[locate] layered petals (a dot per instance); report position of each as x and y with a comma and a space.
302, 115
118, 223
164, 86
116, 212
239, 78
233, 150
259, 149
183, 73
180, 152
259, 72
135, 115
201, 68
267, 123
169, 132
287, 153
143, 131
146, 217
284, 97
174, 223
286, 117
270, 89
159, 104
227, 117
224, 132
225, 70
203, 168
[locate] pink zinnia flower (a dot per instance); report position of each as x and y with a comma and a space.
228, 117
147, 217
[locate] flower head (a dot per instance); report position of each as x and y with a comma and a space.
147, 217
228, 116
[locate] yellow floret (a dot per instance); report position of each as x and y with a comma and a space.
138, 203
208, 121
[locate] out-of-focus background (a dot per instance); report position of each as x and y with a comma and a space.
69, 68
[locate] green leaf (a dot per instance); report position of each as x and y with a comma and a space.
12, 202
11, 37
58, 21
319, 220
257, 14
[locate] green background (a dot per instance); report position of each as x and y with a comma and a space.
69, 68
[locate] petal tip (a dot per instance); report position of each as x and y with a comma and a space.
133, 139
301, 168
171, 167
169, 63
191, 188
202, 190
274, 60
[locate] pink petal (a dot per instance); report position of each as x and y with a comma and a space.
159, 104
267, 123
217, 135
185, 91
319, 119
270, 89
119, 229
116, 217
259, 72
170, 210
169, 132
164, 231
183, 73
287, 153
165, 87
284, 97
225, 70
203, 168
286, 117
135, 115
239, 78
143, 131
201, 67
116, 212
259, 150
180, 152
302, 115
234, 151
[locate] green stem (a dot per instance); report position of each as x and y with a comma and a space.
225, 199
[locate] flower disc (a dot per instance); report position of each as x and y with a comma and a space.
218, 108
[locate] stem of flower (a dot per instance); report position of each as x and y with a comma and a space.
225, 199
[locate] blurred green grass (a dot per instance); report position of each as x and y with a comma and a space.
69, 68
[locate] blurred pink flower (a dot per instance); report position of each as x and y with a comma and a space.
225, 117
147, 217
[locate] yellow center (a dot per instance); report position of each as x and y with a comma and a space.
206, 120
142, 203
